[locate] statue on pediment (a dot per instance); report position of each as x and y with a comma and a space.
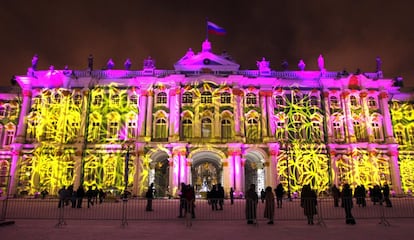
263, 65
378, 64
189, 54
35, 59
90, 62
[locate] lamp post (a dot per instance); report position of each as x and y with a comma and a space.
288, 170
127, 146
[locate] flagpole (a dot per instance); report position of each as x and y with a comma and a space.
206, 28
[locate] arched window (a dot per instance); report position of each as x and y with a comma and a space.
206, 128
113, 129
281, 130
377, 131
2, 111
279, 101
133, 100
160, 129
399, 134
354, 101
206, 97
371, 102
316, 131
251, 99
187, 97
161, 98
314, 101
131, 128
4, 171
9, 134
297, 131
57, 98
97, 101
334, 103
252, 129
338, 128
187, 131
359, 131
225, 98
77, 99
410, 134
95, 130
296, 99
115, 99
226, 131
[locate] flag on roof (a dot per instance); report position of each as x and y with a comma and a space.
215, 29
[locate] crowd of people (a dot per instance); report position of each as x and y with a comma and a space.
308, 199
75, 197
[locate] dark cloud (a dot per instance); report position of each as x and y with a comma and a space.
350, 34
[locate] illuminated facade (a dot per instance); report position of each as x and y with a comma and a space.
205, 122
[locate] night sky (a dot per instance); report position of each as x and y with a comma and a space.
350, 34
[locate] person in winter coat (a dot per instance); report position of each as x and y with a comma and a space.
269, 211
308, 202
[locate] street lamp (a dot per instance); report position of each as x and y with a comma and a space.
127, 146
288, 170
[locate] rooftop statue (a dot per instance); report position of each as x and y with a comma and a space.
35, 59
90, 62
189, 54
378, 64
149, 63
110, 64
263, 65
285, 65
301, 65
206, 47
127, 64
321, 63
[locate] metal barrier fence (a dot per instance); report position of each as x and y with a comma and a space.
169, 209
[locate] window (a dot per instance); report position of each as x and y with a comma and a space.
206, 97
252, 131
410, 134
131, 128
371, 102
187, 97
314, 101
187, 128
95, 131
359, 131
12, 111
50, 130
279, 101
77, 99
97, 100
31, 129
281, 131
296, 99
399, 136
316, 130
334, 102
56, 98
206, 128
4, 171
226, 128
9, 136
113, 128
376, 130
161, 98
297, 131
160, 128
354, 101
251, 99
133, 100
115, 99
225, 98
2, 111
337, 130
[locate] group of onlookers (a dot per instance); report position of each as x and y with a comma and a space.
75, 197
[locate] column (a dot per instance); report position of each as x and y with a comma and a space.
141, 115
174, 116
263, 107
25, 108
14, 165
349, 125
272, 175
77, 159
148, 123
328, 116
389, 133
394, 168
234, 153
364, 105
270, 116
334, 169
237, 106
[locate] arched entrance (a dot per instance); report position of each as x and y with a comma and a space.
159, 174
254, 171
206, 171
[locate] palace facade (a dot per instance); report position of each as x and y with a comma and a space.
203, 123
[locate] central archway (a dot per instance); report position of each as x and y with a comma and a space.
206, 171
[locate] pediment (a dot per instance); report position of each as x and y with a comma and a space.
206, 60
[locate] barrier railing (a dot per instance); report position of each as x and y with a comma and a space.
134, 209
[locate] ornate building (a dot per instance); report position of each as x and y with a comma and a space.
203, 123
